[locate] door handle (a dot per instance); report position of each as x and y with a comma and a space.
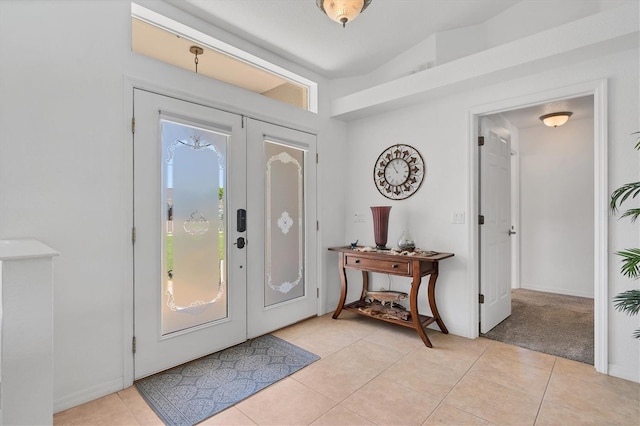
512, 232
240, 242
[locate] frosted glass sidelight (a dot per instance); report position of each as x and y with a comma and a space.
194, 234
285, 226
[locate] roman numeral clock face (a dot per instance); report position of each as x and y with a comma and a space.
398, 172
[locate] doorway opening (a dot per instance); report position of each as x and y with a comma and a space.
551, 231
528, 224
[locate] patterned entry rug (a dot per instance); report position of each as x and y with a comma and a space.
192, 392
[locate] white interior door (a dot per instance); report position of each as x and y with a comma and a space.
282, 232
189, 279
495, 242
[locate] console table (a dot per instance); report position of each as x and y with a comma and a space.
413, 266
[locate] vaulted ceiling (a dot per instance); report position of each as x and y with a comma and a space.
297, 30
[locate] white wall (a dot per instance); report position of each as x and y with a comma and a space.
61, 172
439, 129
556, 201
66, 168
65, 172
540, 15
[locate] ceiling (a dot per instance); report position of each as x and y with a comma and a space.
298, 31
529, 117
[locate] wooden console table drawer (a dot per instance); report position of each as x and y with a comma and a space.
396, 267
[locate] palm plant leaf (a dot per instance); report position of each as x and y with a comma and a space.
628, 301
621, 194
630, 262
632, 213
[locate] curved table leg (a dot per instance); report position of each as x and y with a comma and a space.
343, 286
365, 284
432, 300
413, 302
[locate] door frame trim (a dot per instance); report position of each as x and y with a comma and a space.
597, 89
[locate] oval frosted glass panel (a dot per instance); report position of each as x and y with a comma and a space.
285, 225
194, 235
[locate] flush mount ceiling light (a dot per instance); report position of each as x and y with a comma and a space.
556, 119
343, 11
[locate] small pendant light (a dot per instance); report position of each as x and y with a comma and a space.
196, 50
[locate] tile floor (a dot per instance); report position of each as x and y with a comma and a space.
374, 373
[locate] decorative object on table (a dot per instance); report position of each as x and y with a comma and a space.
380, 310
354, 245
385, 296
398, 252
399, 172
192, 392
380, 226
406, 243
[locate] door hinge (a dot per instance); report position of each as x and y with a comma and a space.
133, 235
317, 293
317, 157
481, 298
133, 344
481, 219
133, 124
317, 225
480, 140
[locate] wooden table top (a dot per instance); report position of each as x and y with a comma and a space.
373, 253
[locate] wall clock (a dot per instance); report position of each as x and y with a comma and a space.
398, 172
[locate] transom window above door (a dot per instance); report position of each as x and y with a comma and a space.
169, 41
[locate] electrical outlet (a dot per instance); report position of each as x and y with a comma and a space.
358, 218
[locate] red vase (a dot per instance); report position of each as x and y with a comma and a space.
380, 226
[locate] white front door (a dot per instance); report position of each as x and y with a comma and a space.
495, 242
282, 230
189, 278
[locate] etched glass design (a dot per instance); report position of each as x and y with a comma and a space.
194, 235
285, 225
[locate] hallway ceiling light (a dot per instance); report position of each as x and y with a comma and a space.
556, 119
343, 11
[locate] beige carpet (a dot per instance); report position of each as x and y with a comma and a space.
551, 323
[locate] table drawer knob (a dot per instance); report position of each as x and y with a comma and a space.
357, 261
394, 266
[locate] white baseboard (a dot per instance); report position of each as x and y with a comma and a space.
623, 373
557, 291
453, 330
86, 395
